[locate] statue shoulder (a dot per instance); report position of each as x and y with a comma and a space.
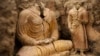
71, 11
23, 16
83, 10
25, 12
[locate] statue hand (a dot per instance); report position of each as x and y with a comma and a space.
45, 41
48, 40
39, 42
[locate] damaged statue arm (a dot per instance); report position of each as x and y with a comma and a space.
53, 29
69, 21
54, 34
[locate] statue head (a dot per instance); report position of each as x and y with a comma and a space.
78, 3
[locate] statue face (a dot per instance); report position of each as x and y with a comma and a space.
78, 5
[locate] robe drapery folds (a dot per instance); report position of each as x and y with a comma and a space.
32, 27
77, 19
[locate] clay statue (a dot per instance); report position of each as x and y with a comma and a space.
35, 30
37, 26
77, 20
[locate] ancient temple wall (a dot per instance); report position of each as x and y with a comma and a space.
9, 10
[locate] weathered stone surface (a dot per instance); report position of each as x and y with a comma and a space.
8, 18
95, 45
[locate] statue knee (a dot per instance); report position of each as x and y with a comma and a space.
63, 45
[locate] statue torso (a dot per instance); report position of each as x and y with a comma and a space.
76, 17
38, 27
